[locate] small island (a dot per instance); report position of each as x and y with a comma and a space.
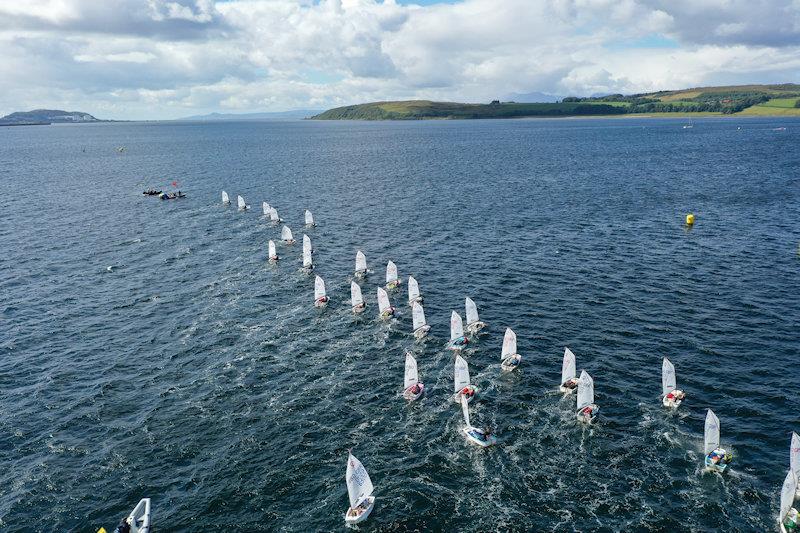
39, 117
741, 100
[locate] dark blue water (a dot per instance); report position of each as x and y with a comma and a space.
148, 349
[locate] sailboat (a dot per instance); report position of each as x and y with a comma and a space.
273, 216
474, 324
461, 384
568, 380
356, 300
671, 396
794, 457
361, 264
717, 459
421, 327
413, 291
225, 199
138, 521
481, 437
413, 388
308, 264
384, 308
309, 219
286, 235
359, 490
320, 298
587, 409
265, 208
392, 281
242, 206
509, 358
457, 338
273, 253
788, 515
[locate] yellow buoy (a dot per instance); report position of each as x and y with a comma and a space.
689, 219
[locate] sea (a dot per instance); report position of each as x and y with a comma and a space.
148, 348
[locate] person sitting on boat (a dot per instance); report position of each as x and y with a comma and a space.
675, 396
720, 457
570, 384
588, 411
123, 527
415, 388
459, 342
321, 300
467, 392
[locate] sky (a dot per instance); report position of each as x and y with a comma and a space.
163, 59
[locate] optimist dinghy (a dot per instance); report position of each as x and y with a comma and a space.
481, 437
509, 358
421, 327
385, 310
413, 291
457, 338
286, 235
461, 385
587, 409
359, 490
474, 324
413, 388
794, 458
308, 264
265, 208
273, 253
568, 380
139, 519
320, 298
361, 264
392, 281
273, 216
788, 517
717, 459
309, 219
671, 396
242, 206
356, 300
225, 198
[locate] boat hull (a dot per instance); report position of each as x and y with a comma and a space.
417, 300
457, 344
421, 331
392, 285
587, 418
469, 434
511, 362
475, 327
389, 313
715, 467
349, 519
457, 396
359, 308
411, 397
321, 302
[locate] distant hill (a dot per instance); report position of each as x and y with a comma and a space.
279, 115
531, 98
39, 116
765, 100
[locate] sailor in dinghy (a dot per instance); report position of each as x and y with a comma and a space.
413, 388
421, 327
413, 292
359, 490
273, 253
242, 206
225, 199
461, 381
717, 459
587, 409
320, 298
361, 264
794, 457
392, 281
385, 310
509, 358
457, 338
273, 216
481, 437
568, 380
671, 395
309, 219
788, 517
138, 521
286, 235
474, 324
356, 300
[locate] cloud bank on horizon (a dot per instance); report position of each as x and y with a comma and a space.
130, 59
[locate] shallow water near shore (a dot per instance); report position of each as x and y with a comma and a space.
147, 348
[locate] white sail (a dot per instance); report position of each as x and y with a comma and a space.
794, 454
411, 377
272, 251
418, 315
585, 390
265, 208
413, 289
307, 262
383, 300
391, 272
567, 366
309, 218
225, 198
472, 311
456, 326
286, 234
361, 262
307, 244
240, 202
509, 344
273, 215
355, 294
319, 288
465, 410
787, 494
667, 377
711, 433
359, 485
460, 374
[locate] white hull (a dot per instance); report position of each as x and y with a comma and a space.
457, 345
511, 362
360, 517
321, 303
360, 274
359, 308
671, 404
290, 241
410, 396
392, 285
457, 396
475, 327
421, 332
468, 434
588, 419
418, 299
273, 259
389, 313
